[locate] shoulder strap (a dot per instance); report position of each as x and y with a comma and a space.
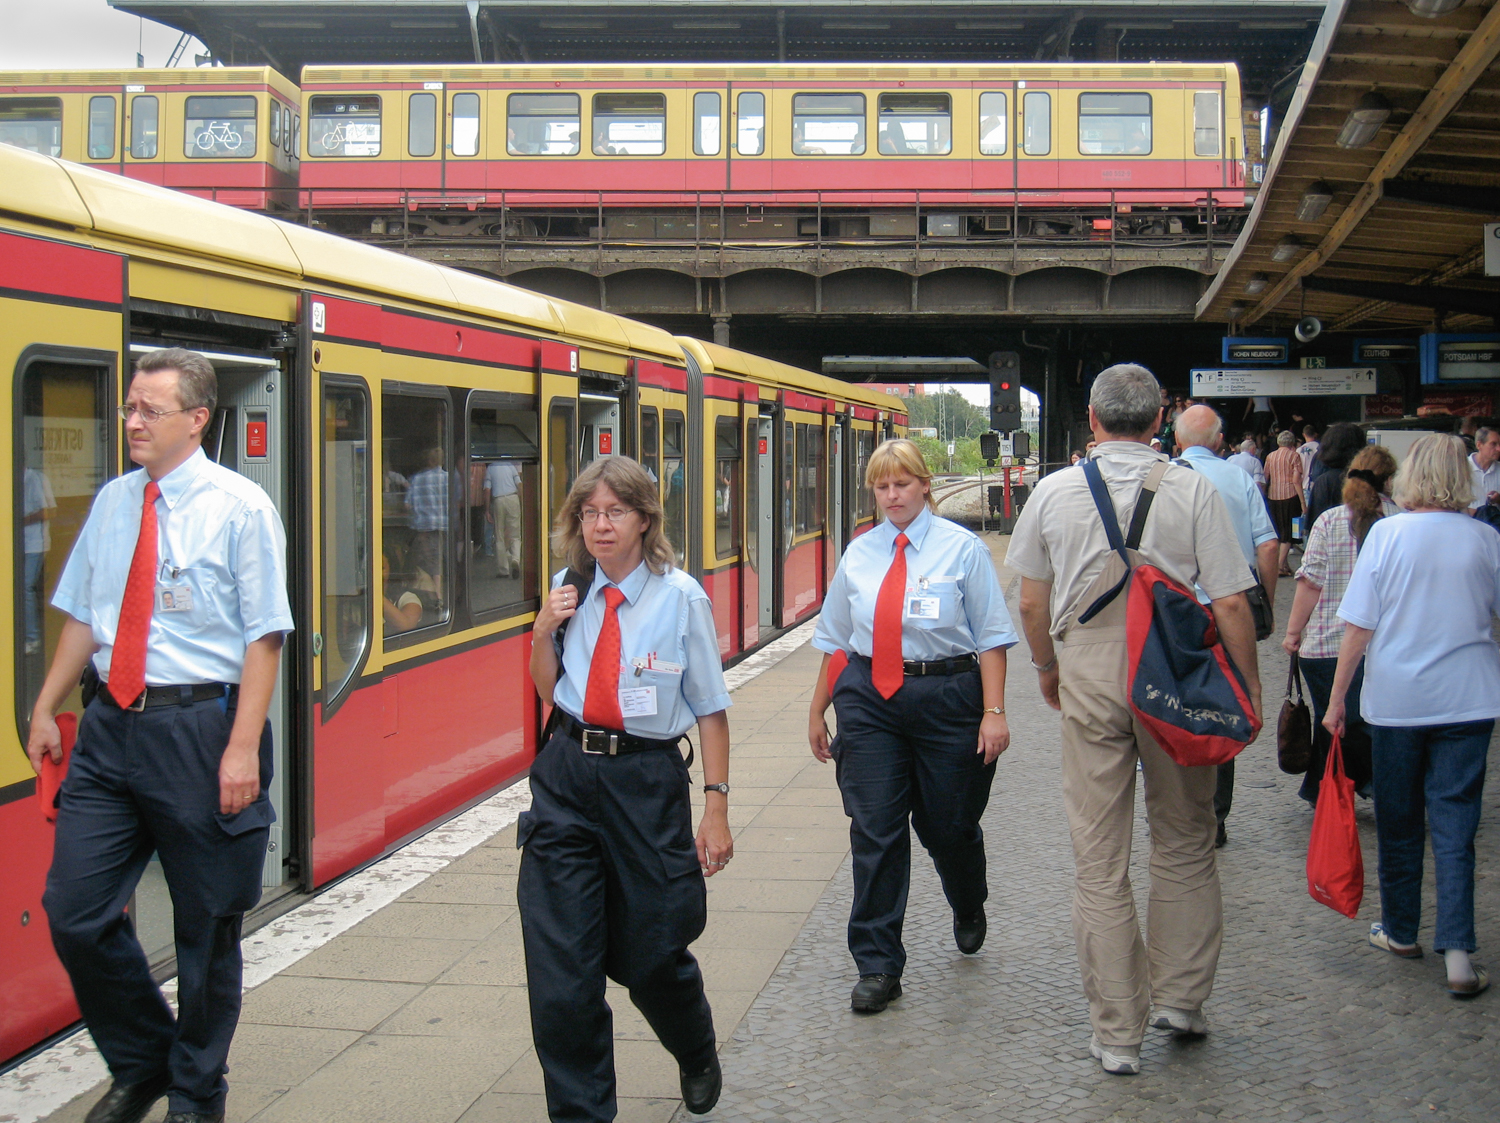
1143, 505
582, 582
1106, 507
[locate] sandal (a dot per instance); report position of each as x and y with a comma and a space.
1480, 984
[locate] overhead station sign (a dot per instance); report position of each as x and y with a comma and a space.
1270, 352
1460, 358
1244, 382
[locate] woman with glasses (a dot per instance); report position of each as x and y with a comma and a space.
611, 880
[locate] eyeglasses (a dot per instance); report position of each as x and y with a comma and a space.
149, 415
616, 515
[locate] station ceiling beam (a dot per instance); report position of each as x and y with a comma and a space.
1477, 301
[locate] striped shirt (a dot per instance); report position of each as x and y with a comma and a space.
1328, 563
1283, 474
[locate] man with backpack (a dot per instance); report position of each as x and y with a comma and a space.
1077, 630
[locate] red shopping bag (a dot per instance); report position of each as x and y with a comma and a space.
48, 783
1335, 866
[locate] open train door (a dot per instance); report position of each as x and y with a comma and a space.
62, 327
557, 396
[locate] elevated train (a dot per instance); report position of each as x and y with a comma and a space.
345, 371
742, 153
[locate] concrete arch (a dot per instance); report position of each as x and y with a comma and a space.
1059, 290
963, 290
565, 284
867, 290
650, 290
769, 290
1156, 289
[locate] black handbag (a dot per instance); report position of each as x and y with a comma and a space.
1294, 731
1262, 611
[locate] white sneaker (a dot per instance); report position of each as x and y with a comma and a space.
1118, 1060
1184, 1023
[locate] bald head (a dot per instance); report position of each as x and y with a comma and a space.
1199, 426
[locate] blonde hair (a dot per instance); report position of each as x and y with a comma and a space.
899, 457
1363, 497
1435, 473
636, 490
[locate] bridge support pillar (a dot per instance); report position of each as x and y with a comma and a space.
721, 328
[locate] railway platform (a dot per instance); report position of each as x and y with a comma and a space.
415, 1010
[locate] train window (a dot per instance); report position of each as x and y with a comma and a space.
752, 493
144, 117
286, 131
62, 460
219, 126
630, 124
275, 125
788, 484
346, 455
809, 478
466, 124
343, 126
32, 123
421, 125
1206, 122
1114, 124
542, 125
726, 487
504, 503
864, 445
297, 135
751, 122
562, 467
706, 129
828, 124
992, 121
674, 498
650, 444
101, 128
915, 125
1036, 108
417, 511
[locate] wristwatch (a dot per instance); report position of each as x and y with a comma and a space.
722, 789
994, 709
1043, 667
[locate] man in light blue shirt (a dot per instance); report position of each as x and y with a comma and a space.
1200, 432
183, 768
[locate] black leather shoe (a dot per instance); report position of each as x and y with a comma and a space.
700, 1090
873, 993
192, 1117
968, 932
128, 1103
1220, 837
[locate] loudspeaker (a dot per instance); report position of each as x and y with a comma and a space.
1308, 328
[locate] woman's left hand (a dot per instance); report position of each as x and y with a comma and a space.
715, 845
994, 737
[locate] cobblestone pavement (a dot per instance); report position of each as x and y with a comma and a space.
1308, 1022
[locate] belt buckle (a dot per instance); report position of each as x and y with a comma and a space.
600, 742
139, 705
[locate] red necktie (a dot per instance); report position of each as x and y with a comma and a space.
601, 704
127, 663
886, 671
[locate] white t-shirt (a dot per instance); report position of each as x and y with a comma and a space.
501, 478
1427, 585
1485, 480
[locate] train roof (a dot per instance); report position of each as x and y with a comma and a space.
71, 195
714, 359
846, 72
176, 76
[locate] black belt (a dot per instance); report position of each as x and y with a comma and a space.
610, 742
184, 695
956, 665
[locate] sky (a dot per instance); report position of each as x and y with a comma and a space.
81, 33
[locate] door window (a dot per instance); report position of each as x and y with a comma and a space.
542, 125
1036, 107
706, 124
418, 500
465, 124
275, 125
144, 116
1114, 124
504, 504
421, 125
864, 445
992, 122
630, 124
1206, 122
346, 535
752, 492
219, 126
343, 126
751, 124
915, 124
561, 468
727, 477
650, 445
674, 481
101, 128
828, 124
32, 123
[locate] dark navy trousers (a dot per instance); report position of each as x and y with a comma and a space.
911, 759
138, 783
609, 886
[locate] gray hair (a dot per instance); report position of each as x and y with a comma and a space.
1286, 439
1126, 399
1435, 473
1198, 426
197, 384
1248, 445
1483, 433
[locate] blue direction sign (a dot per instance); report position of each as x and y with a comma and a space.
1460, 358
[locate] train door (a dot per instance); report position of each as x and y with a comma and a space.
560, 455
835, 540
1037, 149
764, 528
61, 324
424, 148
141, 147
463, 158
994, 139
599, 419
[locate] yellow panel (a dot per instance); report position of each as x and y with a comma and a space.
602, 361
644, 337
151, 280
507, 302
580, 322
37, 185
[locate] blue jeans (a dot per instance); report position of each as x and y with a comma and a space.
1318, 674
1439, 769
33, 595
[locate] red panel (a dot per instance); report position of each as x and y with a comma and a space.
558, 358
863, 413
147, 173
794, 400
722, 587
863, 528
466, 341
348, 785
350, 319
659, 374
715, 387
749, 606
36, 999
799, 590
205, 175
58, 269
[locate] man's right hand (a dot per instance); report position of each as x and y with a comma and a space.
44, 739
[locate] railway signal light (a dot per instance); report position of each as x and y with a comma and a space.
1005, 391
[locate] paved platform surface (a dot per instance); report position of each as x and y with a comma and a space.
418, 1013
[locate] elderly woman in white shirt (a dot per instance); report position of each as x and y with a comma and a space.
1420, 602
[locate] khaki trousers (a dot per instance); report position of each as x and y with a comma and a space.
506, 511
1101, 740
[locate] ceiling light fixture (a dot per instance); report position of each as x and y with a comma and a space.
1314, 202
1286, 249
1432, 9
1364, 121
1257, 284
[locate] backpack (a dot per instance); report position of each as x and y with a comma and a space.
1184, 689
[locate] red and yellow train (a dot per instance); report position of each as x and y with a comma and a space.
345, 371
